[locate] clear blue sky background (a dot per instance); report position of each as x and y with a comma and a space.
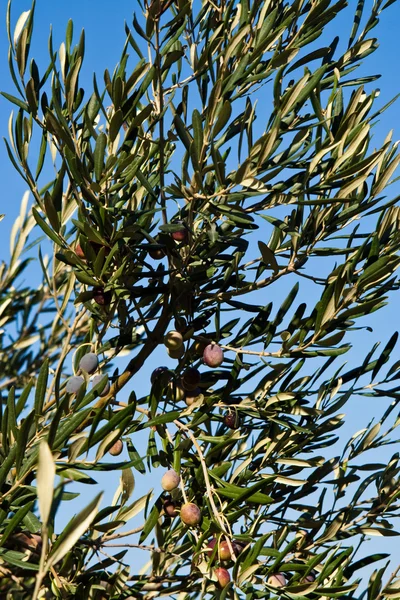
104, 25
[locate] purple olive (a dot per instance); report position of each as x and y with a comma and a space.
190, 514
106, 387
79, 252
180, 324
180, 235
190, 379
277, 580
213, 355
170, 508
74, 384
231, 420
89, 363
157, 253
211, 546
160, 374
101, 297
222, 576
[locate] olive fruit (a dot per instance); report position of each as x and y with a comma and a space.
231, 420
116, 448
222, 576
173, 340
156, 253
237, 547
89, 363
170, 480
213, 355
79, 252
224, 552
190, 379
101, 297
106, 388
190, 514
74, 384
180, 235
191, 397
175, 392
170, 508
277, 580
211, 546
177, 352
159, 374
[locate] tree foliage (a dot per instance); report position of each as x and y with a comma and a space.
227, 155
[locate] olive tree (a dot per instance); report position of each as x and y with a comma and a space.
215, 200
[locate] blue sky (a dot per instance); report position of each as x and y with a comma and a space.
104, 27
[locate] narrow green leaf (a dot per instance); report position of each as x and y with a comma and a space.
16, 101
48, 231
18, 559
385, 355
151, 520
99, 153
41, 388
15, 521
73, 531
268, 256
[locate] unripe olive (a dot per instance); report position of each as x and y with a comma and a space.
190, 514
176, 353
199, 347
106, 388
277, 580
213, 355
116, 448
74, 384
175, 392
173, 340
222, 576
89, 363
170, 480
191, 397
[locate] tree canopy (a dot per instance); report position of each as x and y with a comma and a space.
227, 155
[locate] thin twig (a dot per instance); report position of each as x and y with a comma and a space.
209, 488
